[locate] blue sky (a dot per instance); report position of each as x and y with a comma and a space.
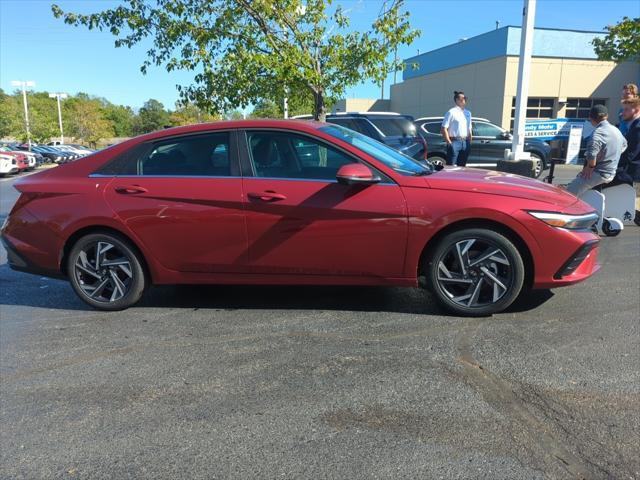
58, 57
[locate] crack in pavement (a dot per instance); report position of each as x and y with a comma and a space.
540, 435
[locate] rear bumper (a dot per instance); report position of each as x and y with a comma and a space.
17, 261
31, 246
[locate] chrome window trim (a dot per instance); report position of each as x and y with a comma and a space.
99, 175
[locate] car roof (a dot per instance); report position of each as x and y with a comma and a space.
294, 124
357, 114
422, 119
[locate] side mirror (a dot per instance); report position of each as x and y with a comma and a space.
356, 174
505, 135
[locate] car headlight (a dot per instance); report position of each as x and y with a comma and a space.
565, 220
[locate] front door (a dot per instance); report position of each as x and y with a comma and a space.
301, 221
182, 198
488, 145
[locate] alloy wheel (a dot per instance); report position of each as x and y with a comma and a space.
474, 273
103, 272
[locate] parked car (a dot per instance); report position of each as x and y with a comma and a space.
56, 155
74, 149
49, 156
487, 147
8, 164
393, 129
291, 202
32, 158
22, 161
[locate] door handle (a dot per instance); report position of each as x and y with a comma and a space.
267, 196
485, 141
130, 189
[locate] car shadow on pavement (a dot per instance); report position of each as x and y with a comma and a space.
40, 292
235, 297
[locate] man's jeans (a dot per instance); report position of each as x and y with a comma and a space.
458, 152
580, 185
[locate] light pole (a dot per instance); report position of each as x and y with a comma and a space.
59, 96
524, 70
24, 84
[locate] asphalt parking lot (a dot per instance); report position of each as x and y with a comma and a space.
294, 382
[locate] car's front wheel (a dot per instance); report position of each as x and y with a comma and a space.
475, 272
106, 271
539, 165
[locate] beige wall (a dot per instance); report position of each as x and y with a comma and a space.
361, 105
432, 95
566, 78
491, 85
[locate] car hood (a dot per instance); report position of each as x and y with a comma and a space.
499, 183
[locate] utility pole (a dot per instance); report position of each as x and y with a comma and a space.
524, 71
24, 84
59, 96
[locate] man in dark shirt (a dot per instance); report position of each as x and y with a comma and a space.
628, 170
629, 165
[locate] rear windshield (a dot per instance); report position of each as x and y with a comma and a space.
394, 126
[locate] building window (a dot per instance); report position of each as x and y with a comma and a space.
579, 107
537, 109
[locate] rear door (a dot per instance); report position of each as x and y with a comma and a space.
182, 198
301, 221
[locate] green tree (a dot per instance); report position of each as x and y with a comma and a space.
266, 108
88, 122
233, 115
121, 119
245, 50
43, 117
621, 43
188, 114
274, 108
152, 116
11, 117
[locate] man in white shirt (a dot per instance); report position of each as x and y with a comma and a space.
456, 130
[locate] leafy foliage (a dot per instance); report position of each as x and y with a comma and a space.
247, 50
89, 119
152, 116
621, 43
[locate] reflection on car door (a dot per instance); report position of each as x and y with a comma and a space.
182, 198
488, 145
301, 221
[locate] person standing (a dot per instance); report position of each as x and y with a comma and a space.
456, 130
604, 148
629, 165
629, 91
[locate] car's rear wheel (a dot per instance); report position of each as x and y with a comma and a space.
476, 272
106, 271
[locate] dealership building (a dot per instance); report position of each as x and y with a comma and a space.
566, 77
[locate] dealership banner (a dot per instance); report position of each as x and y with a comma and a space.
554, 129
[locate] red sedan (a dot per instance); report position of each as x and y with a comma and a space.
293, 202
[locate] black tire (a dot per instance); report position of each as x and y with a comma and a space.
608, 230
483, 280
438, 159
540, 165
120, 267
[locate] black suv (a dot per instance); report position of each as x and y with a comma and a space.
396, 130
488, 145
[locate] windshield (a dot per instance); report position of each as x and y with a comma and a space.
393, 126
399, 162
